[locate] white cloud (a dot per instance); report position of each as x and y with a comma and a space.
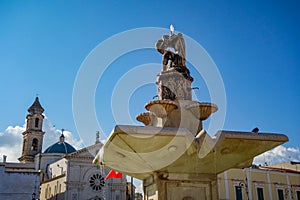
12, 152
52, 135
294, 150
137, 183
11, 140
139, 187
278, 155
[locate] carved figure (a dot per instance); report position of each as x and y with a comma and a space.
174, 59
177, 43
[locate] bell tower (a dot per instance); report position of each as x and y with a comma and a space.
33, 135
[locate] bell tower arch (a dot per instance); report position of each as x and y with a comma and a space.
33, 135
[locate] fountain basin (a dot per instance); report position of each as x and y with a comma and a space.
202, 110
141, 152
161, 108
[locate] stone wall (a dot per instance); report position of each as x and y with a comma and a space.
17, 184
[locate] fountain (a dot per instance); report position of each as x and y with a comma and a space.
172, 154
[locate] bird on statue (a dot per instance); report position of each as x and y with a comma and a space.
156, 96
255, 130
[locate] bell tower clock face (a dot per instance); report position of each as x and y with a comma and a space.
96, 182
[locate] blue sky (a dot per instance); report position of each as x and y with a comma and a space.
254, 44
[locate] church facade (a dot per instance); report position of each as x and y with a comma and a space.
60, 172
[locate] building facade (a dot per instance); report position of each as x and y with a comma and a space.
74, 177
278, 182
60, 172
18, 181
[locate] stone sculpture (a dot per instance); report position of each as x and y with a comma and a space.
175, 60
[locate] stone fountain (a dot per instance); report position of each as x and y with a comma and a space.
172, 154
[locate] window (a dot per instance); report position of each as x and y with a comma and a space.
238, 193
35, 143
298, 195
280, 194
36, 123
74, 196
260, 193
96, 182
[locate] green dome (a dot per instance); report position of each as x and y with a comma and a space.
60, 147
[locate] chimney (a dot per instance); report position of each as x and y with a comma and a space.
4, 158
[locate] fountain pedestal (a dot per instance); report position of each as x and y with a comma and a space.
181, 186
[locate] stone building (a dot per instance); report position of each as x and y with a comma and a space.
18, 181
60, 172
73, 176
277, 182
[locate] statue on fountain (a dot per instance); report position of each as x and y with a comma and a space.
173, 60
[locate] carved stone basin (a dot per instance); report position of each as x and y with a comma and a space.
143, 151
202, 110
145, 118
161, 108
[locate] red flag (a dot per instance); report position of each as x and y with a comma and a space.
113, 174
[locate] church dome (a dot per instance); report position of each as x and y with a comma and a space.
61, 147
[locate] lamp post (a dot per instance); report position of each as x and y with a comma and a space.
244, 184
131, 188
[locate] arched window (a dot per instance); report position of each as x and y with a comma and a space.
34, 145
36, 123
